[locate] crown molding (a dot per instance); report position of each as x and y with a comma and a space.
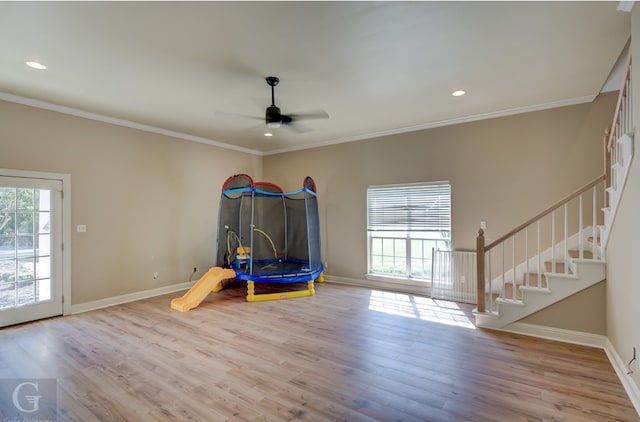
120, 122
440, 123
160, 131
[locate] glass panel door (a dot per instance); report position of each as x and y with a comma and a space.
30, 249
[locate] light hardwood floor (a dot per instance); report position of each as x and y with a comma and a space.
342, 355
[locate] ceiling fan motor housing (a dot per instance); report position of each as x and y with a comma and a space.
273, 117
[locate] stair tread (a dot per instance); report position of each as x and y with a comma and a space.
516, 302
585, 254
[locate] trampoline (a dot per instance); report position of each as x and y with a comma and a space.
267, 235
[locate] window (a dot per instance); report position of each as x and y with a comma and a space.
404, 224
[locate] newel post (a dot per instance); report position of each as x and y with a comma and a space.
480, 267
607, 165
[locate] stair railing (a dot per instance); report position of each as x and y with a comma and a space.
523, 251
622, 124
520, 248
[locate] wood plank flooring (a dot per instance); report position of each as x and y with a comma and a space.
346, 354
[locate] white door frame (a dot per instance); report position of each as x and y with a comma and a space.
66, 225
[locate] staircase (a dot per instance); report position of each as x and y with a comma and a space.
560, 251
534, 291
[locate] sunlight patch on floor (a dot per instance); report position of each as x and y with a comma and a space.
418, 307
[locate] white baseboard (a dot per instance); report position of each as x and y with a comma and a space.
129, 297
558, 334
387, 284
619, 366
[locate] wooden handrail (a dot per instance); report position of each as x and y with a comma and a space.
625, 80
545, 212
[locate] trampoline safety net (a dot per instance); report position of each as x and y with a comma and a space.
267, 235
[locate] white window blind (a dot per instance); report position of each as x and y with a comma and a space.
412, 207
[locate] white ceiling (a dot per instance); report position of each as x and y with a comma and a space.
375, 67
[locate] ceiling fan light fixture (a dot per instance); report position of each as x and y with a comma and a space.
35, 65
458, 93
273, 118
268, 134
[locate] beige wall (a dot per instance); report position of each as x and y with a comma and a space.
584, 312
501, 170
150, 202
623, 258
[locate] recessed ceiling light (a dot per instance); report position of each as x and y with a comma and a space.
458, 93
268, 134
35, 65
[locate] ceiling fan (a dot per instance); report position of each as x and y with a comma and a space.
274, 118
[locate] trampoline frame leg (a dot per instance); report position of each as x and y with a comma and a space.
253, 297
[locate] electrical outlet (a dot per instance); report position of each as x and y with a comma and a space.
633, 363
155, 276
193, 274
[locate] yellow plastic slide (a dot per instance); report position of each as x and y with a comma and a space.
210, 282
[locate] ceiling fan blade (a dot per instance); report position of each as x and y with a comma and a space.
225, 114
296, 127
234, 70
310, 115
